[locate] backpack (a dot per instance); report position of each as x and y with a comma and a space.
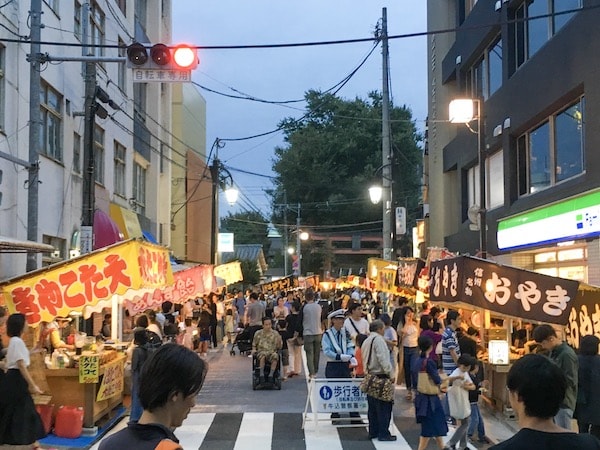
153, 340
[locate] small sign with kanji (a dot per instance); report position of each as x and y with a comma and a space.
89, 369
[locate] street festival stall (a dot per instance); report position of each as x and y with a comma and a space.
93, 379
493, 294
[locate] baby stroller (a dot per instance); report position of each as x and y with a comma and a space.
243, 340
274, 378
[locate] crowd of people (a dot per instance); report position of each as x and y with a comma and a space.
411, 345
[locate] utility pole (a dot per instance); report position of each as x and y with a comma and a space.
298, 243
386, 153
214, 227
35, 125
285, 235
88, 203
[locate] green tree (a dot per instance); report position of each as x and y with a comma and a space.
332, 155
247, 227
250, 272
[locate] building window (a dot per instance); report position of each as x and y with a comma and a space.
139, 187
494, 178
531, 34
2, 82
140, 13
121, 67
494, 182
76, 153
553, 151
98, 154
77, 19
570, 263
139, 101
119, 169
53, 4
485, 77
51, 109
97, 29
58, 254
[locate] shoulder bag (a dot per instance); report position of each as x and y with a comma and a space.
425, 384
458, 401
375, 385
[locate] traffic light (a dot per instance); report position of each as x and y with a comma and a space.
161, 57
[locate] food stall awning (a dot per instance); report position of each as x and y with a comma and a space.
11, 245
503, 289
229, 273
71, 285
188, 284
282, 284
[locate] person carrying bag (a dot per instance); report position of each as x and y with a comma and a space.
377, 383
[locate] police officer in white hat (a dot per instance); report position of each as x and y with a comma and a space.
339, 349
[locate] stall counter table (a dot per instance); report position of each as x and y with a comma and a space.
67, 390
497, 393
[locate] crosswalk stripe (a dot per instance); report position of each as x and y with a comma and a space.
255, 431
249, 431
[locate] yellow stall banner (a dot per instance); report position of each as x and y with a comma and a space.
112, 381
89, 368
70, 286
230, 272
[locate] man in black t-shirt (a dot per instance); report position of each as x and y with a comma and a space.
536, 389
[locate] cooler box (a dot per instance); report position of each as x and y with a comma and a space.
69, 422
45, 412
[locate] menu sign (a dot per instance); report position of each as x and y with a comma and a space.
503, 289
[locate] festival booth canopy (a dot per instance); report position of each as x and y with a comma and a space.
229, 273
188, 283
72, 285
507, 290
282, 284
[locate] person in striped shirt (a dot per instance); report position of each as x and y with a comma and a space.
450, 346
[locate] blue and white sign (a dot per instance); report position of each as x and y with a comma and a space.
334, 395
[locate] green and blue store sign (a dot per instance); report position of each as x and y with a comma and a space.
574, 218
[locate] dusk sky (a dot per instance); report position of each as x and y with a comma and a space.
287, 73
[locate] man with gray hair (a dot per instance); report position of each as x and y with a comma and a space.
376, 361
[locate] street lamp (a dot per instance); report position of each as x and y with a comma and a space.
300, 236
463, 110
221, 179
375, 194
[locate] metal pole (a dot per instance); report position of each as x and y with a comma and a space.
482, 183
88, 204
214, 227
298, 242
386, 157
285, 235
35, 128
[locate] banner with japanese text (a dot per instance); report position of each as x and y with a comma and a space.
112, 380
503, 289
70, 286
89, 368
408, 272
230, 272
309, 282
584, 317
282, 284
187, 284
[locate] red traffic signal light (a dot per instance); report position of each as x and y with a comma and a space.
161, 56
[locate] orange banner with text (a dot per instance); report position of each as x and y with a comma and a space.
70, 286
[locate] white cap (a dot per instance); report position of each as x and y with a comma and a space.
341, 313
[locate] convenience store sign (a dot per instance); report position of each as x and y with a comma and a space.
575, 218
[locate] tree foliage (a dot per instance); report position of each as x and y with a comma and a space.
248, 228
332, 155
